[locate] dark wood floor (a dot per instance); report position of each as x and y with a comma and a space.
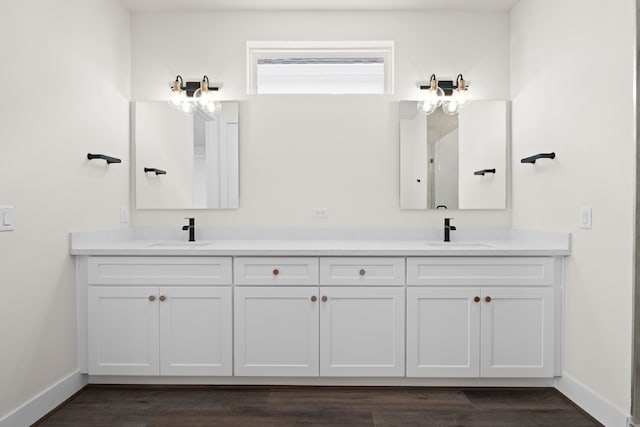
142, 406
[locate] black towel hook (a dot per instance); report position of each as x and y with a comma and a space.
532, 159
109, 159
156, 171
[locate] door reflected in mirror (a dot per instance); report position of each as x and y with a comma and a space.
453, 162
198, 155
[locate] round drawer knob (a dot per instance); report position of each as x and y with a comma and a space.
152, 297
314, 298
488, 299
362, 272
324, 299
276, 271
162, 298
477, 299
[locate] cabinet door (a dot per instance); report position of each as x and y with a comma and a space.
443, 332
195, 331
276, 331
123, 330
362, 332
517, 332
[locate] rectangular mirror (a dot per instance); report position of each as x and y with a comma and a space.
185, 161
454, 162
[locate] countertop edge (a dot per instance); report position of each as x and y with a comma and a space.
319, 252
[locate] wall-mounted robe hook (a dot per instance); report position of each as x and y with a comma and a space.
156, 171
484, 171
532, 159
109, 159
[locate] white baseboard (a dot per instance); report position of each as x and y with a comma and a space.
594, 404
45, 401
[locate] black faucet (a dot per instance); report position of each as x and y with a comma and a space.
192, 229
448, 228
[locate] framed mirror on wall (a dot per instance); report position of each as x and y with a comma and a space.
454, 162
185, 161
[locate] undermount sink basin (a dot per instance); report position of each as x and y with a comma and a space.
179, 244
459, 245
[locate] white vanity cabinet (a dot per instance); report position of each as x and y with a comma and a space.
340, 317
337, 330
506, 330
276, 331
362, 331
180, 329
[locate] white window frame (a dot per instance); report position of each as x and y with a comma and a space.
257, 50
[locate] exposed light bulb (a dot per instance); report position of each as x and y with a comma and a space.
188, 107
432, 97
426, 107
450, 108
461, 94
202, 97
178, 96
213, 107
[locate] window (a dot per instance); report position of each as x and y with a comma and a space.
320, 67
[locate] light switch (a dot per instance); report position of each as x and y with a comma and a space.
585, 218
6, 218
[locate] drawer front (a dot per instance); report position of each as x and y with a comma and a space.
159, 270
274, 271
370, 271
480, 271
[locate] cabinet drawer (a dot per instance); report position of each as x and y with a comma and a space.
362, 271
480, 271
159, 270
275, 271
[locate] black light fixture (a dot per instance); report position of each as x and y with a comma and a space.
187, 96
449, 94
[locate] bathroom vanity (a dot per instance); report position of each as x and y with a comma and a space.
387, 311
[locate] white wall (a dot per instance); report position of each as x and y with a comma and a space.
572, 84
339, 152
65, 73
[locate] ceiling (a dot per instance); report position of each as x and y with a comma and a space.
198, 5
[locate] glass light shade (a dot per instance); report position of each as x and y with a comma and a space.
450, 108
461, 96
432, 100
188, 107
426, 108
202, 97
176, 98
212, 107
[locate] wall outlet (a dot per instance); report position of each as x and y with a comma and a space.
124, 215
7, 220
320, 213
585, 218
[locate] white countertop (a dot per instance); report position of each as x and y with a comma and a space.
156, 243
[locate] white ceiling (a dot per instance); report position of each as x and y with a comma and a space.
197, 5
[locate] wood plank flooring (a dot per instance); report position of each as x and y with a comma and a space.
164, 406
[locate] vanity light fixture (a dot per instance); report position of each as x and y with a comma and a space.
188, 96
446, 93
459, 97
433, 97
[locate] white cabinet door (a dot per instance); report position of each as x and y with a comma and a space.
443, 332
276, 331
517, 332
362, 332
195, 326
123, 330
